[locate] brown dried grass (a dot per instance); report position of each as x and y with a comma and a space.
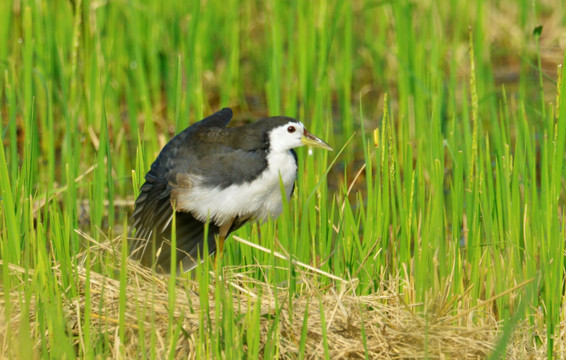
394, 329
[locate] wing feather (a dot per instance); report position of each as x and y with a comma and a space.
151, 221
151, 232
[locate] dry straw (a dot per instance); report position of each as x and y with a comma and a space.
393, 328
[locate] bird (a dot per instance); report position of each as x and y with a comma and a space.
214, 179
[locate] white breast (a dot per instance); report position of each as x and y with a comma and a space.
259, 199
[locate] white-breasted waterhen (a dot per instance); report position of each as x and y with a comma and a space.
225, 176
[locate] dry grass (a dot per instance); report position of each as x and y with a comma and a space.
394, 329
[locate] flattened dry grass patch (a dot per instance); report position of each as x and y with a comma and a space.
339, 322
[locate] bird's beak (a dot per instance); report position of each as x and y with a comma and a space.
311, 140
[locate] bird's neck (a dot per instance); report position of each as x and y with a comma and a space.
283, 163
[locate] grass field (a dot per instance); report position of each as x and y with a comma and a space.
436, 228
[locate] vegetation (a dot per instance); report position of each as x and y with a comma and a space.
436, 229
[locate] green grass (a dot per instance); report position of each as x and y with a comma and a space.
446, 186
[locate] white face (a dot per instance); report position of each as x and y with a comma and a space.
287, 137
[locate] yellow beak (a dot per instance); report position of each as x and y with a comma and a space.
311, 140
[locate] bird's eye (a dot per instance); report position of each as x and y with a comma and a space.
291, 129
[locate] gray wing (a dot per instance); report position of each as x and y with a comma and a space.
180, 152
234, 167
151, 221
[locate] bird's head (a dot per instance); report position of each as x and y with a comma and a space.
288, 133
